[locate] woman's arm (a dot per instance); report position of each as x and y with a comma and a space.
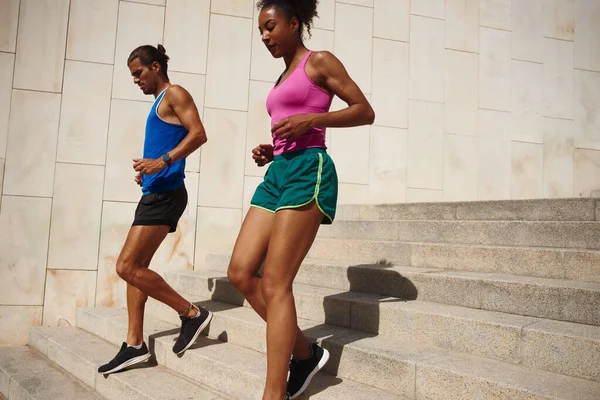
331, 74
335, 78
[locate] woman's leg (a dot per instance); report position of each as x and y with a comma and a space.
248, 255
293, 232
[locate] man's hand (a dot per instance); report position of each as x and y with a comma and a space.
262, 154
138, 179
148, 166
291, 128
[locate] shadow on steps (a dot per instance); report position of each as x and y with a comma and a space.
367, 293
357, 310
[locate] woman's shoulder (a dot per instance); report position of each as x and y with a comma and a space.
324, 60
321, 57
325, 63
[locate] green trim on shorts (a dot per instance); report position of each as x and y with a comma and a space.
262, 208
319, 188
315, 196
296, 179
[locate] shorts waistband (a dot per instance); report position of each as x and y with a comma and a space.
291, 154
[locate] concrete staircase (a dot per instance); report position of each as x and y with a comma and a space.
482, 300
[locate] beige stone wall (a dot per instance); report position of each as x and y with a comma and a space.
475, 100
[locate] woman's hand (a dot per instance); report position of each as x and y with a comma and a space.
291, 128
262, 154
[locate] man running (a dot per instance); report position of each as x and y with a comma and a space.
173, 132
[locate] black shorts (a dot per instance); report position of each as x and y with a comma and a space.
162, 208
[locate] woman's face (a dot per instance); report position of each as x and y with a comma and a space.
277, 33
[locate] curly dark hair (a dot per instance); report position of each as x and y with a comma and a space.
148, 54
304, 10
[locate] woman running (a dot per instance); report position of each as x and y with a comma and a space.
299, 191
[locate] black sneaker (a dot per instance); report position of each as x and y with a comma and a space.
287, 396
190, 330
126, 357
302, 371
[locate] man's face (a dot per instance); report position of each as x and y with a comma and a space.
143, 76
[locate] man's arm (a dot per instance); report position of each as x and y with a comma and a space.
185, 109
182, 104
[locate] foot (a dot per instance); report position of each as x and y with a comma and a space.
190, 330
302, 371
126, 357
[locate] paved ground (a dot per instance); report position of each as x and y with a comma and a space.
3, 345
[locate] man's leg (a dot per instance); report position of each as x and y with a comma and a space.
136, 300
132, 266
136, 303
138, 250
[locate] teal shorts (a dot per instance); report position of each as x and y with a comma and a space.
296, 178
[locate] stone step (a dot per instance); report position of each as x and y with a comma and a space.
404, 367
508, 337
562, 347
575, 209
581, 265
80, 353
556, 299
578, 235
26, 374
237, 371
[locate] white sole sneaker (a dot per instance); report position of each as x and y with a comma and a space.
319, 366
129, 363
198, 332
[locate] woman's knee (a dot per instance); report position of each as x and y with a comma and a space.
273, 290
239, 276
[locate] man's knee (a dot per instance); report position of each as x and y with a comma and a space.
141, 298
126, 269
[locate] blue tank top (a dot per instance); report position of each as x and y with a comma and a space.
162, 137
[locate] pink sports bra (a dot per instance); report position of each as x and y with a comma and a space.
298, 94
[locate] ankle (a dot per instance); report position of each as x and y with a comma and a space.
135, 342
192, 312
274, 397
304, 354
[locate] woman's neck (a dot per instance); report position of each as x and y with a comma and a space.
295, 55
